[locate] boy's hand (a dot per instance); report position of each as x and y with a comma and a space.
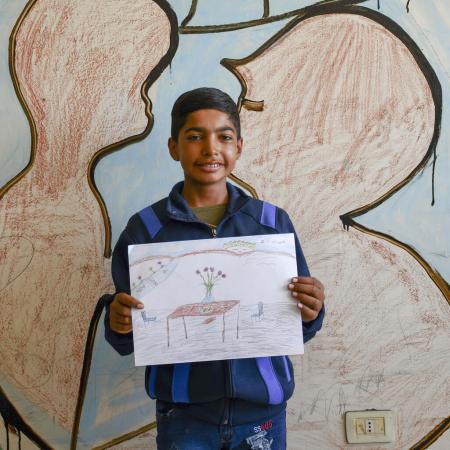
120, 312
309, 294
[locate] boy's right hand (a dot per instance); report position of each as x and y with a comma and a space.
120, 312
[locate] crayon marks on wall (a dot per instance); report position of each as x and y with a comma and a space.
82, 91
349, 132
350, 113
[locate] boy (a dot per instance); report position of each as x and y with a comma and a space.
215, 404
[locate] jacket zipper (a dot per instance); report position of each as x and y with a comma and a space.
227, 409
228, 402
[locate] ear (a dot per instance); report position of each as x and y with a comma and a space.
239, 146
173, 149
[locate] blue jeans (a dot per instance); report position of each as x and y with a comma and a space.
177, 430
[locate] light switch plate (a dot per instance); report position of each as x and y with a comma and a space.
370, 425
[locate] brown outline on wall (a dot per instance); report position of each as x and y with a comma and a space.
6, 405
127, 436
322, 7
12, 70
348, 218
152, 77
266, 11
253, 105
191, 13
89, 349
219, 28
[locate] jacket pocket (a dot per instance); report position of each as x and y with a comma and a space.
286, 369
150, 380
270, 378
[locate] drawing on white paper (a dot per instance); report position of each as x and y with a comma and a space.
156, 271
211, 310
214, 299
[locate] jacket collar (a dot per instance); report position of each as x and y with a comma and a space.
178, 208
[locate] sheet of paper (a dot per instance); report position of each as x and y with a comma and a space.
211, 299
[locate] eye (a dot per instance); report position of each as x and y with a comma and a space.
226, 137
193, 137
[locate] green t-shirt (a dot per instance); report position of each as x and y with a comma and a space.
211, 215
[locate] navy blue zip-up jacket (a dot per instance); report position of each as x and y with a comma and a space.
231, 391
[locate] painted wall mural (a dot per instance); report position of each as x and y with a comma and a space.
53, 233
343, 109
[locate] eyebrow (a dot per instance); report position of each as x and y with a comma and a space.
225, 128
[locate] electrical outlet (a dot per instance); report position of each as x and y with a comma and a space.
368, 426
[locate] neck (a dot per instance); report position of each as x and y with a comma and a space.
198, 196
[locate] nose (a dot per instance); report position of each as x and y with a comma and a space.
210, 146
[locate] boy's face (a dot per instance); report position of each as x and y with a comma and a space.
207, 148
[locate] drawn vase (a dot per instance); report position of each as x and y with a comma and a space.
208, 298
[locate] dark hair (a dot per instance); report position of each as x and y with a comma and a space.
203, 98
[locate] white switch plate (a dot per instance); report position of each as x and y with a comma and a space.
368, 426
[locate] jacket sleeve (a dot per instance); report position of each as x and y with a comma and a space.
122, 343
309, 328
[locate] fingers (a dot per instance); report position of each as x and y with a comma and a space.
308, 285
120, 312
309, 293
308, 314
308, 301
127, 301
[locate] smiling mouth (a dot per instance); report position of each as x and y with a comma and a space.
211, 165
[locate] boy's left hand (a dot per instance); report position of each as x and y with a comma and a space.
309, 294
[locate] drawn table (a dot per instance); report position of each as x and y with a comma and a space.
212, 309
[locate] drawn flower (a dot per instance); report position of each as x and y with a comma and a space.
209, 278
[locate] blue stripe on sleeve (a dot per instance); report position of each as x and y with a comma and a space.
268, 214
150, 220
